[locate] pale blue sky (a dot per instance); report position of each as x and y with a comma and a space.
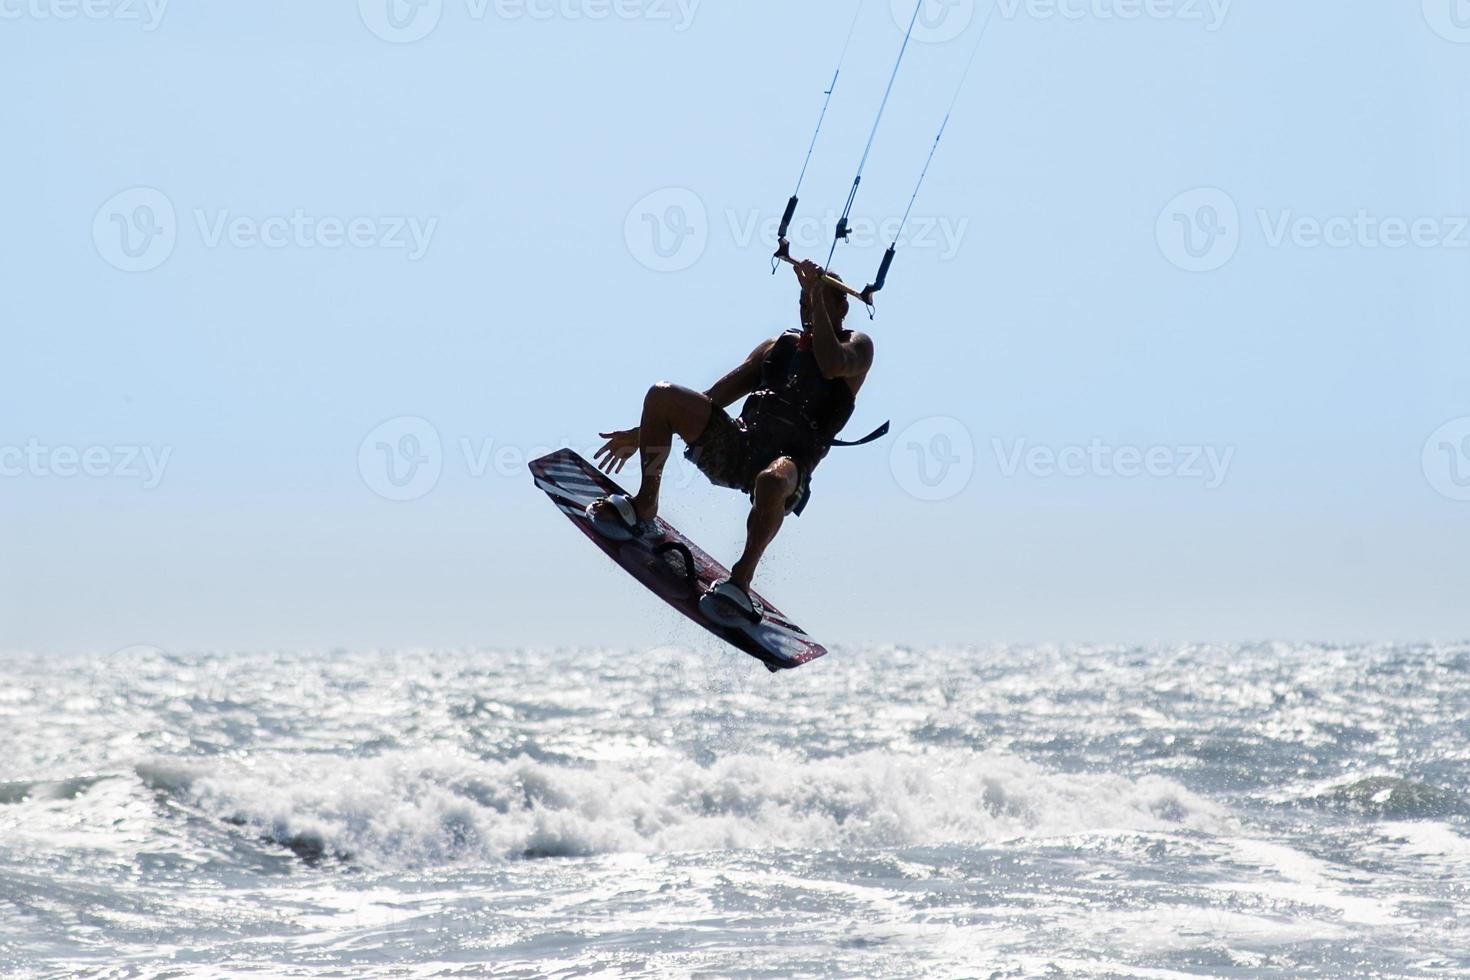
523, 142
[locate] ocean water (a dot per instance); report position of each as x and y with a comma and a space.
1254, 811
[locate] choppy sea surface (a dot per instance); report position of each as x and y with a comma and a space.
1270, 810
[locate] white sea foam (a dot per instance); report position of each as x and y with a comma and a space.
414, 809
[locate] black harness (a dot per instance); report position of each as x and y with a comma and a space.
797, 411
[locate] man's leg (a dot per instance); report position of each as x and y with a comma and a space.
667, 409
773, 487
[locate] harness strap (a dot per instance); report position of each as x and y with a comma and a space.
873, 436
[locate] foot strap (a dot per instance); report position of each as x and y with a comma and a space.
616, 517
727, 592
682, 550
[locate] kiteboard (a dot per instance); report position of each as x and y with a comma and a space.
670, 565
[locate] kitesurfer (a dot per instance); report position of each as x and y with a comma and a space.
800, 389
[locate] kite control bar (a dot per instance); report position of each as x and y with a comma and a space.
865, 296
844, 226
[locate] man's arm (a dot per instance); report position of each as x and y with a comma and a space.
623, 443
835, 358
741, 381
840, 359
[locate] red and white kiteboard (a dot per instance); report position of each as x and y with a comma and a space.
670, 565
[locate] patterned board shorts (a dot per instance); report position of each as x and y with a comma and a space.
728, 455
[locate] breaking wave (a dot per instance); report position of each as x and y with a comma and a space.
417, 809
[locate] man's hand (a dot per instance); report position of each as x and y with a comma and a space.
619, 448
809, 274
